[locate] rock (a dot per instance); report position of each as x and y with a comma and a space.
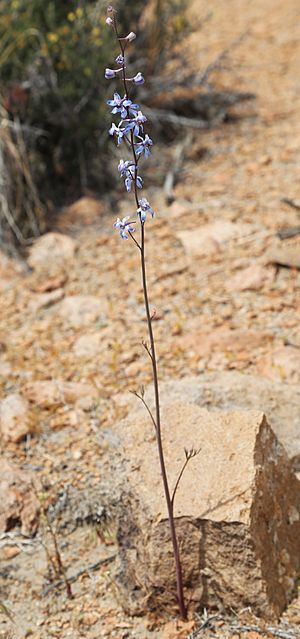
285, 255
9, 552
5, 367
15, 421
231, 390
51, 248
43, 300
209, 238
237, 513
252, 278
82, 310
50, 393
87, 210
282, 364
204, 343
19, 505
88, 345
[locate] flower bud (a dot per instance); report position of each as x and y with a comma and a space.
110, 9
131, 36
109, 73
109, 21
138, 78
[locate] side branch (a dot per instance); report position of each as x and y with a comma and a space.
189, 454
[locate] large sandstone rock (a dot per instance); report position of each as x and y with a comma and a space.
231, 390
19, 505
15, 422
237, 513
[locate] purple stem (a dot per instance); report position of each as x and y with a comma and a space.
141, 246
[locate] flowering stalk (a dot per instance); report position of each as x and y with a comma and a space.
130, 130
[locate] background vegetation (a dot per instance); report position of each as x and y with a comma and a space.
53, 135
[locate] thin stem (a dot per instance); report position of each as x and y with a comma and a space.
152, 353
147, 408
135, 241
178, 479
170, 505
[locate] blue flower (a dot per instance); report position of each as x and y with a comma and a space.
127, 171
138, 122
138, 78
124, 226
123, 106
120, 60
118, 131
144, 146
144, 208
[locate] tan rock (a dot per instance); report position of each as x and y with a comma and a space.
9, 552
237, 513
19, 505
286, 255
15, 421
50, 393
231, 390
82, 310
51, 248
88, 345
282, 364
209, 238
252, 278
86, 210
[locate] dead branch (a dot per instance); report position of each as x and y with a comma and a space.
78, 574
172, 175
284, 234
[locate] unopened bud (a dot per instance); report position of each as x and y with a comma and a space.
131, 36
109, 73
138, 78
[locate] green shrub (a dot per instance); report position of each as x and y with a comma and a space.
52, 59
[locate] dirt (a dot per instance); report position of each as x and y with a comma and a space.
250, 164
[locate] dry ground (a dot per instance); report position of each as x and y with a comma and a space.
250, 164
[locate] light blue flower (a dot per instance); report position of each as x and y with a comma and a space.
124, 226
144, 146
144, 208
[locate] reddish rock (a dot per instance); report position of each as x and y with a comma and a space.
15, 421
204, 343
19, 505
51, 248
252, 278
282, 364
82, 310
50, 393
237, 513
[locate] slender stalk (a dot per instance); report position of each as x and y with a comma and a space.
169, 501
152, 352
